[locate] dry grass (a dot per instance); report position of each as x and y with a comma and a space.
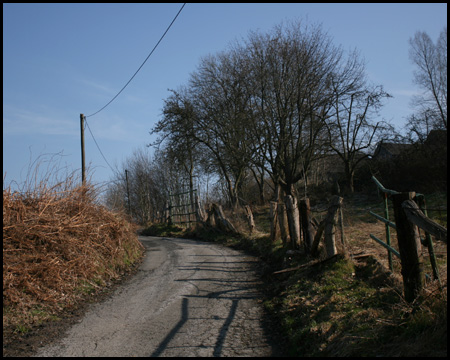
356, 307
58, 244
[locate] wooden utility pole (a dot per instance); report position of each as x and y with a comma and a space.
83, 169
128, 192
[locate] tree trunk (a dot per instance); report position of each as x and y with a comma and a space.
262, 199
293, 220
350, 182
274, 214
349, 173
260, 182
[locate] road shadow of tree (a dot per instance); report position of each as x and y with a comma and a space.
230, 291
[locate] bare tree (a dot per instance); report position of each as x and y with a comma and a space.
290, 102
145, 192
431, 76
350, 127
218, 88
419, 126
177, 130
264, 105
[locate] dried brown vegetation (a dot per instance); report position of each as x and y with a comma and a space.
58, 245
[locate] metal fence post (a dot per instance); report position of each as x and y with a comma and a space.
388, 231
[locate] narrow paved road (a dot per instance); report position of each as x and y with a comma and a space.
189, 298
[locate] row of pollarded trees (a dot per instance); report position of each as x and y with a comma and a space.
273, 105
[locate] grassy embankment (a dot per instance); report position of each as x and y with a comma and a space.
350, 305
59, 247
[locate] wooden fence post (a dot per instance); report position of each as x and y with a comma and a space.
170, 218
282, 223
167, 213
210, 220
317, 237
409, 246
419, 218
198, 210
273, 220
306, 219
251, 222
330, 226
83, 167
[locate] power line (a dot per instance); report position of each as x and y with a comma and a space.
84, 117
98, 147
139, 66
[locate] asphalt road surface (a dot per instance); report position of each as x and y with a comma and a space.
189, 298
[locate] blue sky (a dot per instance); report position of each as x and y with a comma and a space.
60, 60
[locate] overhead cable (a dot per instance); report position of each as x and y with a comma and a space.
141, 65
98, 147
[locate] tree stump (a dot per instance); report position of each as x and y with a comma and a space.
221, 221
251, 222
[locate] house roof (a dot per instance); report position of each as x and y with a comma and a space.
388, 149
436, 137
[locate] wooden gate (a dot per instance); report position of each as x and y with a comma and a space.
182, 207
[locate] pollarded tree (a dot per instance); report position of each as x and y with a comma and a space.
291, 99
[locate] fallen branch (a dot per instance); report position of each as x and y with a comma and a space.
312, 263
